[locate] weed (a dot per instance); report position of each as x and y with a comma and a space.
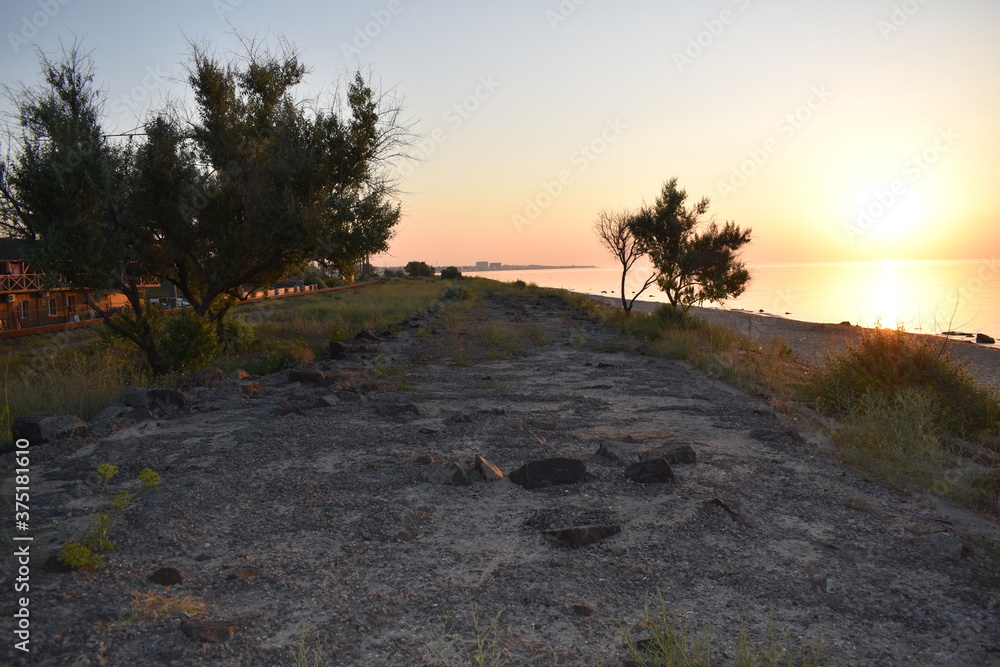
775, 653
306, 655
152, 606
84, 553
482, 649
668, 642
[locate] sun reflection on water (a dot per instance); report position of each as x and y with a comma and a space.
885, 297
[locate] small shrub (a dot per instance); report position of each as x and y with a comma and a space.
519, 284
674, 319
189, 342
84, 553
456, 293
451, 273
236, 336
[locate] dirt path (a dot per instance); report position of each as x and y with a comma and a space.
329, 522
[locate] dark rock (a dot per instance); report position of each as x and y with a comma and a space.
652, 471
327, 401
286, 408
630, 439
424, 460
489, 471
549, 472
338, 350
135, 397
239, 374
251, 389
407, 534
216, 632
55, 565
313, 375
106, 417
617, 453
39, 428
245, 573
579, 536
170, 397
604, 365
167, 576
674, 454
983, 339
347, 395
365, 334
461, 418
456, 474
583, 610
544, 426
394, 410
845, 323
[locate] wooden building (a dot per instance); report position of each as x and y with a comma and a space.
25, 303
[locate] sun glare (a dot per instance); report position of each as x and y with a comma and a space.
885, 296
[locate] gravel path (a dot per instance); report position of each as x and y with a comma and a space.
328, 527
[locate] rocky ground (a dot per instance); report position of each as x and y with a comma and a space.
308, 511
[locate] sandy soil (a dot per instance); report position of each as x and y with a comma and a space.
329, 521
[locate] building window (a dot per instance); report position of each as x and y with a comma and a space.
52, 308
23, 308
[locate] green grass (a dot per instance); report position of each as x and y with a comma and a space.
673, 643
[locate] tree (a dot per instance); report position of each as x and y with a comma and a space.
256, 184
450, 273
66, 192
697, 260
419, 269
612, 229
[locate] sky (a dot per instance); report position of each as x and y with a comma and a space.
857, 130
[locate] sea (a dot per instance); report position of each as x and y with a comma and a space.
927, 296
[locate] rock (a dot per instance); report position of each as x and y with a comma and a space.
170, 397
216, 632
407, 534
245, 573
617, 453
424, 460
456, 474
167, 576
106, 417
347, 395
461, 418
579, 536
239, 374
630, 439
251, 389
286, 408
674, 454
942, 546
604, 365
393, 410
365, 334
135, 397
338, 350
845, 323
583, 610
983, 339
39, 428
489, 471
652, 471
327, 401
306, 374
549, 472
544, 426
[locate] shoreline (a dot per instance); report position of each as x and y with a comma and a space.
815, 342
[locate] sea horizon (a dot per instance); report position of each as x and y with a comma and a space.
922, 296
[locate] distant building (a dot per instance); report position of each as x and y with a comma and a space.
24, 304
495, 266
482, 266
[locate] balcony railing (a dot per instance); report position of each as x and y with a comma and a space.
26, 282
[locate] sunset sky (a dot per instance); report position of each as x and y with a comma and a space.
864, 129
